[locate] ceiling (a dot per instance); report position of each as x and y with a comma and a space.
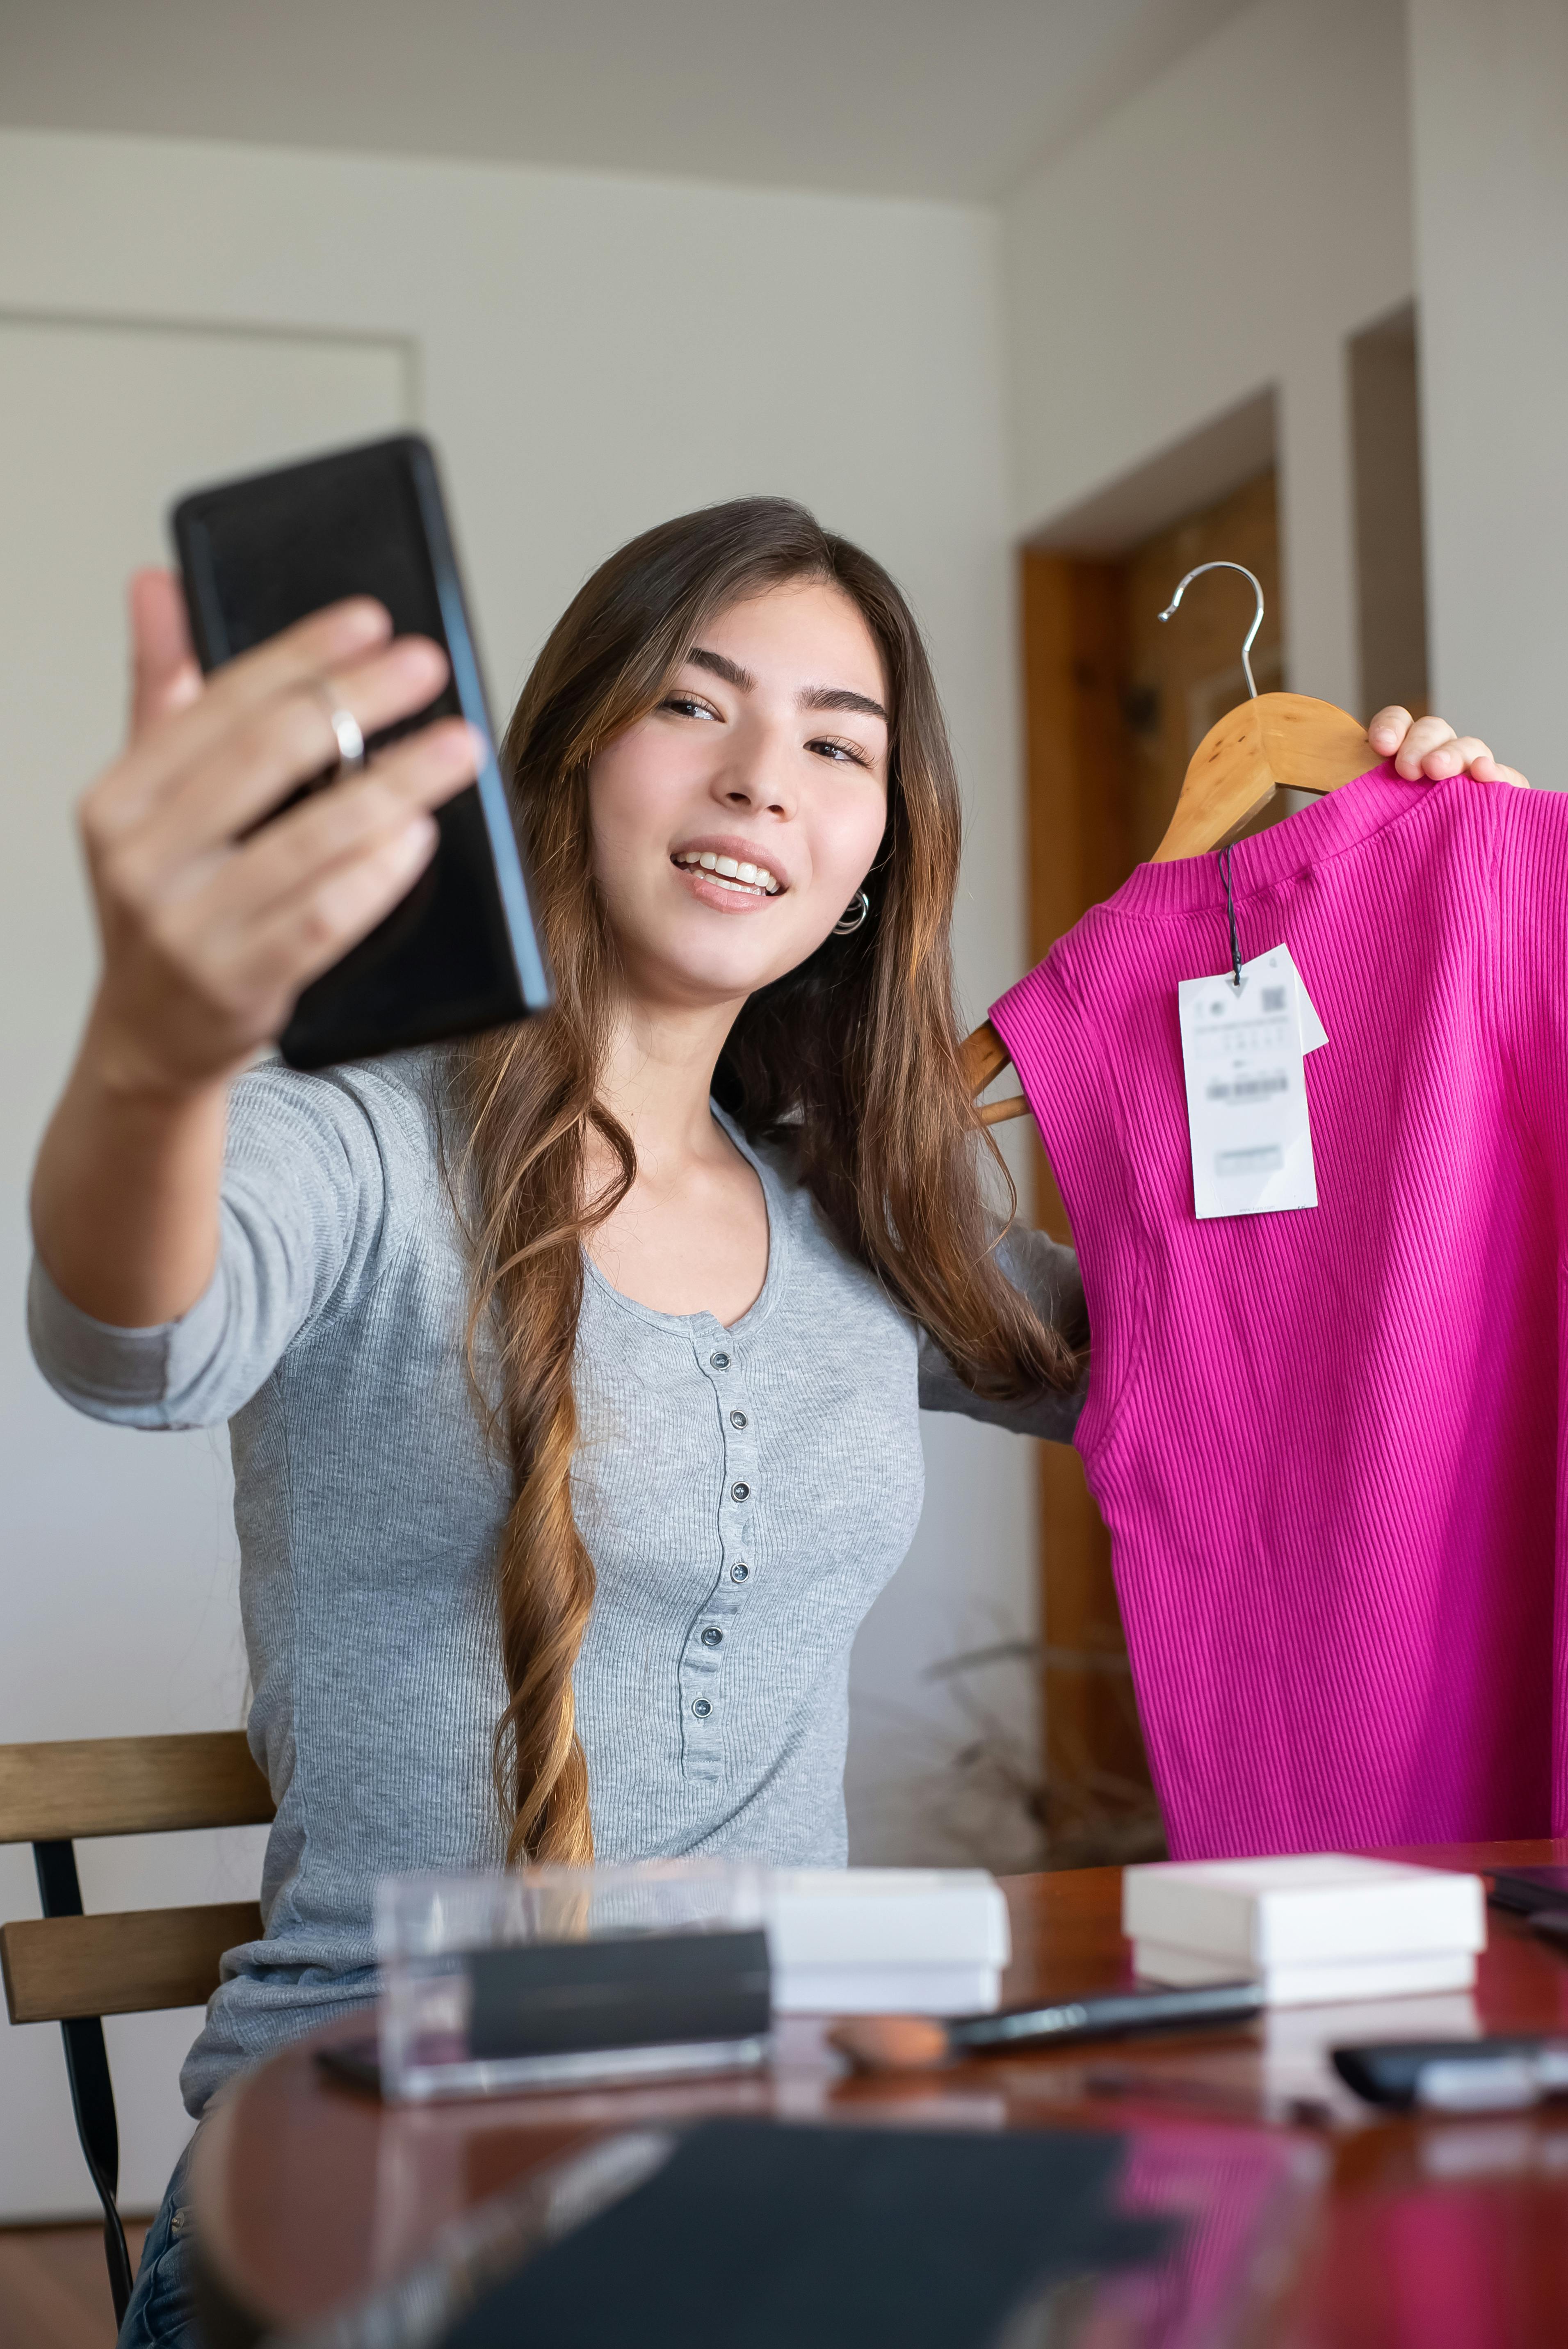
951, 98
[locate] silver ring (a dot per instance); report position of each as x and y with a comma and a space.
344, 726
855, 913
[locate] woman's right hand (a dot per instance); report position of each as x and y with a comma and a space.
210, 926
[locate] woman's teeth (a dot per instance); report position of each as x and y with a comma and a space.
749, 880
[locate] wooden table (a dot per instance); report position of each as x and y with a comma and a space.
1422, 2233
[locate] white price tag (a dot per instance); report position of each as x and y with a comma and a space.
1246, 1095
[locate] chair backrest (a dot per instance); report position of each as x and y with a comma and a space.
65, 1964
70, 1969
130, 1785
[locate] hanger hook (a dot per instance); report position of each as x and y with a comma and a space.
1257, 616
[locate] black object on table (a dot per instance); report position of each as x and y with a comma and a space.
757, 2235
1455, 2075
1531, 1891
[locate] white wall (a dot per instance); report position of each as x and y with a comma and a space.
592, 354
118, 1604
1223, 232
1489, 135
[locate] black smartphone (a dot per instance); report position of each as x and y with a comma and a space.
461, 952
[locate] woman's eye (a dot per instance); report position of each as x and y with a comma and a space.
690, 705
844, 753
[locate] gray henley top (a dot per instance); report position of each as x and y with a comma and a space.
745, 1492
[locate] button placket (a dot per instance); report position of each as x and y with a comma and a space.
713, 1628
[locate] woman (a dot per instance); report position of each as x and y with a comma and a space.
574, 1418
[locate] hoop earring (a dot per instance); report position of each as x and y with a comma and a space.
853, 915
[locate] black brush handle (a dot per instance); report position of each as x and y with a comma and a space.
1109, 2014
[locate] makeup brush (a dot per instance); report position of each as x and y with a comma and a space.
919, 2043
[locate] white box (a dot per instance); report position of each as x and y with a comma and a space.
883, 1940
1320, 1984
886, 1989
1312, 1909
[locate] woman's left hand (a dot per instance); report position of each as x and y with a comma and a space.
1427, 749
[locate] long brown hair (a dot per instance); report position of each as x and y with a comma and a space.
852, 1059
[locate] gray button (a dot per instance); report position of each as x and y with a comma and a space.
740, 1492
721, 1362
710, 1637
739, 1570
702, 1708
737, 1418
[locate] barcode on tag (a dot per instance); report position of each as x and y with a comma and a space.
1273, 1081
1266, 1158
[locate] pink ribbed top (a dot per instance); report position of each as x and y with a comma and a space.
1327, 1441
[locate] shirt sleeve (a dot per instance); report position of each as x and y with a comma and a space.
302, 1226
1045, 1272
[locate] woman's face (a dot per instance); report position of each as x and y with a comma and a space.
734, 823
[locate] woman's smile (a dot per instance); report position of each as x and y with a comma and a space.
726, 873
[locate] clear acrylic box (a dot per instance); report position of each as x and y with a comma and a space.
549, 1977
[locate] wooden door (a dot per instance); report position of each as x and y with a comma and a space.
1115, 704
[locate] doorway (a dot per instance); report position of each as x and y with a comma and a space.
1115, 705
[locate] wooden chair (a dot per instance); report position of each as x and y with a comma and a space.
71, 1968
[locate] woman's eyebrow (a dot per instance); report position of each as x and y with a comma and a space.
840, 697
812, 697
731, 671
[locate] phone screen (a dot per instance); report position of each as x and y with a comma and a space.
460, 952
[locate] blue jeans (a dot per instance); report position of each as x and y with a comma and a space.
159, 2315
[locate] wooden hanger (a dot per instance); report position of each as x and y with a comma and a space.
1233, 778
1232, 786
985, 1056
